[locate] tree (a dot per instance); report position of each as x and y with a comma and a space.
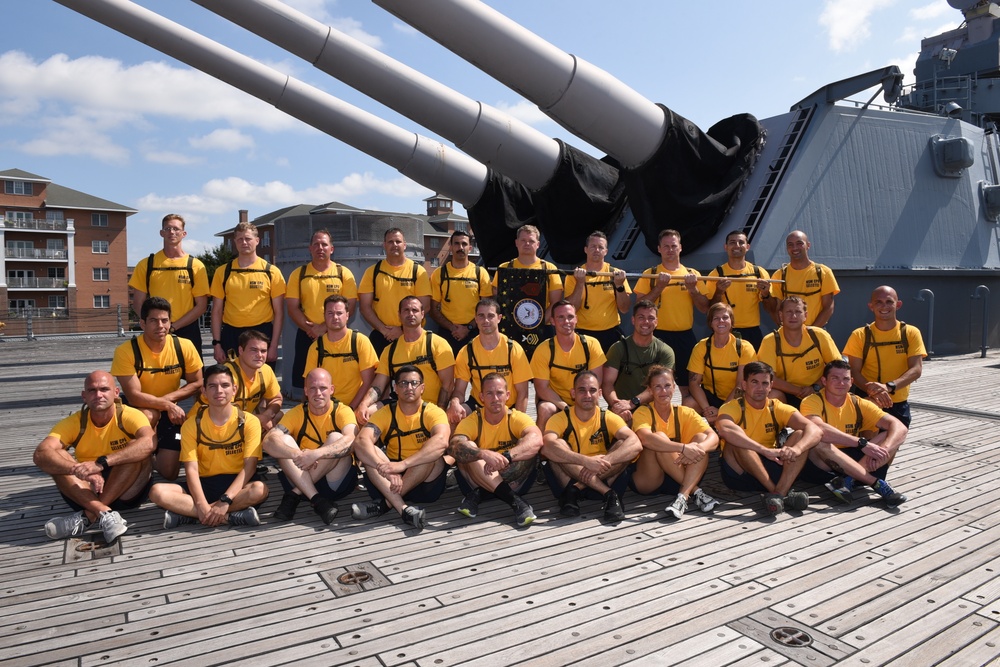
216, 257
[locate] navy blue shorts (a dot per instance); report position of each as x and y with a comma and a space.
119, 504
682, 343
746, 481
465, 486
621, 483
425, 492
348, 484
214, 486
669, 487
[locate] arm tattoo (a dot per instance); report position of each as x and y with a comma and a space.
519, 469
338, 450
464, 451
375, 429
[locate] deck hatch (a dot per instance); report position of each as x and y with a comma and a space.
789, 636
355, 578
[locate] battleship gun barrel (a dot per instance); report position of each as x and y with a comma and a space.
426, 161
586, 100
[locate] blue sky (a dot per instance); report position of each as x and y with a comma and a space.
99, 112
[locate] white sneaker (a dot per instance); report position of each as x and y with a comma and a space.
112, 525
677, 508
704, 502
62, 527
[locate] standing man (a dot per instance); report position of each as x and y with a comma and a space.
886, 356
176, 276
111, 464
347, 355
489, 352
402, 449
624, 384
526, 316
247, 293
308, 288
149, 369
497, 452
313, 447
745, 298
676, 291
815, 283
588, 449
385, 283
220, 447
456, 288
599, 299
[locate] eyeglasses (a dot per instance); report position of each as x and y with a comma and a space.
409, 384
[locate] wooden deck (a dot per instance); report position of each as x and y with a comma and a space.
915, 586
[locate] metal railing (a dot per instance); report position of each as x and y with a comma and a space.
34, 253
32, 323
50, 225
42, 283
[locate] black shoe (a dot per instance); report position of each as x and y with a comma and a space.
326, 509
613, 510
286, 508
413, 516
569, 501
371, 510
470, 504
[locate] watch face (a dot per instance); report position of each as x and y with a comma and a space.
528, 313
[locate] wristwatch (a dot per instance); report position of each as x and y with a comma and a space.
619, 288
224, 498
216, 341
891, 386
506, 455
862, 442
103, 462
816, 386
635, 402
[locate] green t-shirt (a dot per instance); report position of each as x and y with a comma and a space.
633, 362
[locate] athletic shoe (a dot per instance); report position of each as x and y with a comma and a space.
849, 483
326, 509
797, 500
613, 510
62, 527
773, 503
247, 517
837, 488
413, 516
112, 525
892, 499
677, 508
569, 501
286, 508
523, 514
704, 502
372, 510
172, 519
470, 504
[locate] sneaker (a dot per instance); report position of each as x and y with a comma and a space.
172, 519
523, 514
326, 509
797, 500
841, 492
704, 502
470, 504
613, 510
247, 517
62, 527
569, 501
849, 483
413, 516
112, 525
286, 508
372, 510
773, 503
677, 508
884, 489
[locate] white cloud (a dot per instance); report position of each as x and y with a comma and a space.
170, 157
353, 28
524, 111
75, 135
404, 28
223, 140
933, 10
847, 21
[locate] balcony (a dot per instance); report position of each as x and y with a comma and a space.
34, 253
40, 225
50, 313
36, 283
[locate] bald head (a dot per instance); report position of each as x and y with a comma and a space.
318, 375
883, 291
98, 377
99, 391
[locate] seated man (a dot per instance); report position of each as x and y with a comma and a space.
844, 449
675, 441
402, 448
149, 369
111, 465
313, 447
583, 454
629, 360
220, 446
754, 457
347, 355
497, 450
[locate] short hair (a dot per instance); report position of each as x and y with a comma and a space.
715, 308
585, 373
153, 303
656, 370
596, 235
324, 231
246, 227
408, 368
493, 376
335, 298
172, 216
756, 368
667, 232
838, 364
393, 230
562, 303
643, 304
252, 334
459, 232
735, 232
216, 369
528, 228
409, 297
793, 299
488, 302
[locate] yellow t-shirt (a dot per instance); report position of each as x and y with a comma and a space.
846, 417
744, 298
499, 438
674, 306
161, 372
586, 438
317, 427
460, 291
507, 359
549, 362
248, 293
391, 285
343, 362
170, 279
801, 365
553, 280
411, 431
249, 393
99, 441
220, 450
312, 287
400, 353
759, 425
598, 310
887, 357
719, 366
811, 283
691, 423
